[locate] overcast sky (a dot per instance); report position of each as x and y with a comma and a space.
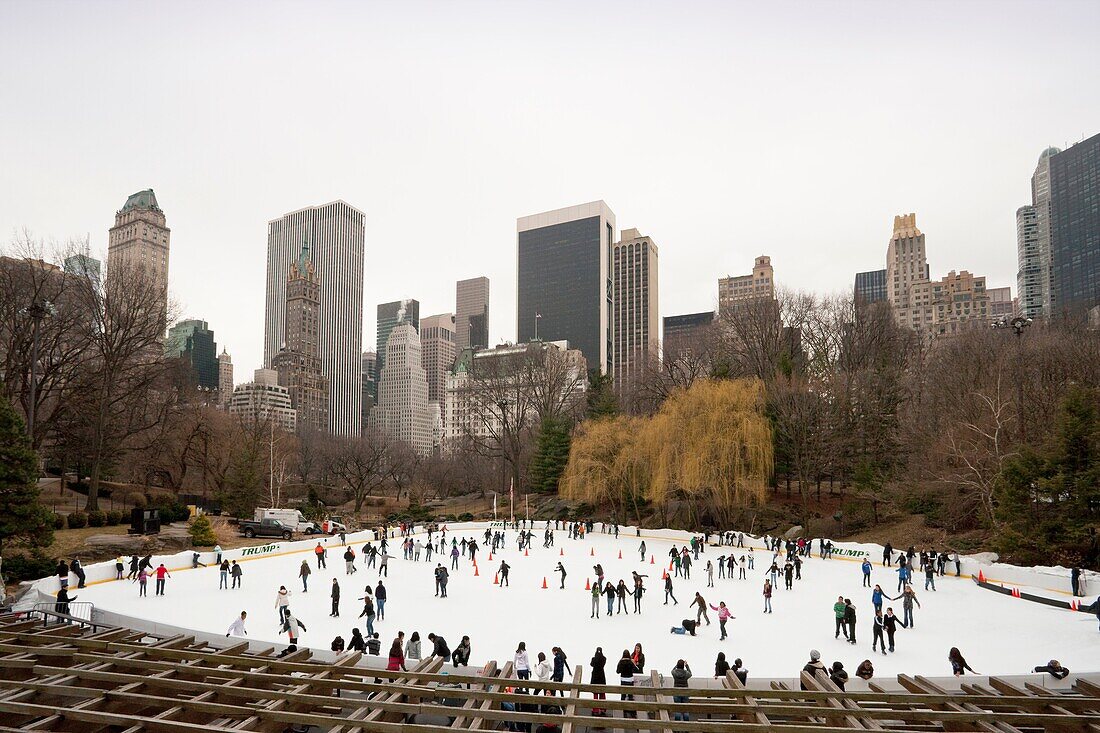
724, 130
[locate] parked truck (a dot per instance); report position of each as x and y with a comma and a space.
265, 527
294, 519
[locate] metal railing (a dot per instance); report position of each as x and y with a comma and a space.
77, 612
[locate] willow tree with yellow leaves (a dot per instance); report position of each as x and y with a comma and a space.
709, 445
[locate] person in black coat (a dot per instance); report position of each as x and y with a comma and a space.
1055, 669
850, 620
598, 677
721, 666
439, 646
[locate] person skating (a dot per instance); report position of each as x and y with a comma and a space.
866, 572
223, 575
641, 550
639, 589
788, 575
710, 574
291, 625
620, 593
335, 596
235, 572
282, 602
380, 599
890, 625
668, 591
850, 619
812, 667
687, 626
78, 571
959, 667
595, 593
908, 598
368, 610
877, 638
876, 597
63, 574
887, 555
303, 574
237, 627
561, 569
322, 555
119, 567
723, 616
930, 576
701, 612
461, 654
767, 596
721, 666
838, 611
443, 575
134, 560
161, 573
349, 561
143, 582
503, 571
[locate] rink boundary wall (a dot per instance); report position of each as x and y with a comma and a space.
1052, 579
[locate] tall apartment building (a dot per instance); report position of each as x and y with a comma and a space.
225, 378
370, 383
689, 334
402, 411
263, 399
84, 266
1033, 244
473, 386
1001, 303
140, 239
760, 283
389, 316
870, 287
906, 263
1075, 227
298, 362
634, 306
437, 341
472, 313
192, 342
564, 286
335, 235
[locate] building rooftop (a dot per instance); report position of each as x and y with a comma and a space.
142, 200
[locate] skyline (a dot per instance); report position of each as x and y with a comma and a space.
732, 137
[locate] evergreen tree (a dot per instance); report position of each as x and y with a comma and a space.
23, 520
202, 532
551, 455
601, 398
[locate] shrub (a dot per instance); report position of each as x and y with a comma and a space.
136, 499
97, 518
114, 518
18, 568
77, 520
58, 521
465, 517
202, 532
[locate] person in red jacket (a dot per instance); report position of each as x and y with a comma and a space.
161, 573
397, 654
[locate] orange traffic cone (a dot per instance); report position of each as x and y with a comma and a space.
981, 577
620, 554
490, 556
544, 586
670, 564
525, 553
592, 552
496, 578
562, 552
652, 561
587, 584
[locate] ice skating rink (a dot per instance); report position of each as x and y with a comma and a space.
996, 633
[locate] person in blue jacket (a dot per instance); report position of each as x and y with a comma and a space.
866, 572
903, 576
876, 598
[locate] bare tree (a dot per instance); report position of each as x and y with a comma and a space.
362, 465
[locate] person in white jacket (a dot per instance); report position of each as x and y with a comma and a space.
237, 627
282, 601
521, 663
542, 672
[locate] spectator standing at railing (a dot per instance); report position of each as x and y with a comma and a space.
78, 571
63, 574
63, 601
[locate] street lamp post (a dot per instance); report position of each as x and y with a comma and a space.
1017, 324
503, 405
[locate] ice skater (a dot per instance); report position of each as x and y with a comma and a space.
282, 602
235, 572
237, 627
866, 572
161, 573
303, 574
701, 612
503, 571
668, 591
291, 625
767, 596
561, 569
335, 596
723, 616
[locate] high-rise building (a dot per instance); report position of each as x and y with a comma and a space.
298, 362
140, 239
84, 266
402, 411
760, 283
1075, 227
906, 264
870, 287
370, 383
437, 341
263, 399
1032, 275
225, 378
391, 315
635, 320
472, 313
689, 334
192, 342
335, 235
564, 279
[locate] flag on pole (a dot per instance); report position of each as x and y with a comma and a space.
494, 506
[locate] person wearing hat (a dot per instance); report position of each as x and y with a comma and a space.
813, 666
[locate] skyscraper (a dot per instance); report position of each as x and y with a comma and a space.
564, 279
391, 315
906, 264
370, 383
760, 283
225, 378
689, 334
635, 320
262, 400
140, 238
335, 235
1075, 227
870, 287
298, 363
84, 266
1032, 277
402, 411
472, 313
437, 341
192, 341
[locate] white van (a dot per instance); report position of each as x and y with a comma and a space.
289, 517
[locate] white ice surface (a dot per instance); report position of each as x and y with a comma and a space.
997, 633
